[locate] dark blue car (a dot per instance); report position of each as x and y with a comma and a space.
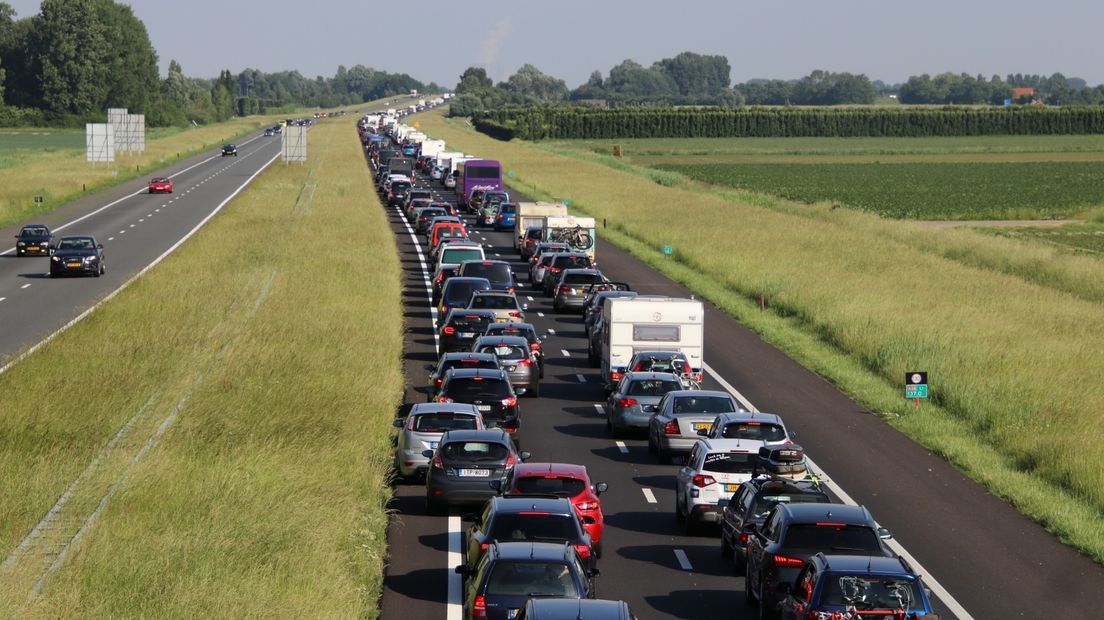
869, 586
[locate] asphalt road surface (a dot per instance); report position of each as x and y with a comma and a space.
986, 559
135, 228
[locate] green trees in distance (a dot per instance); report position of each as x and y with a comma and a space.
77, 58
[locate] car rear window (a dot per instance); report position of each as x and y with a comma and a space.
833, 538
495, 330
469, 363
459, 255
764, 503
729, 462
535, 527
583, 278
703, 404
550, 485
441, 422
652, 387
762, 431
496, 302
459, 292
471, 323
468, 389
495, 272
431, 212
875, 592
572, 262
474, 451
551, 579
505, 351
507, 209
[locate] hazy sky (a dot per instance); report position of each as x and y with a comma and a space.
435, 40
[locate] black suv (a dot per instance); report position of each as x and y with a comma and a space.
464, 464
792, 534
459, 359
461, 327
497, 272
489, 390
511, 573
527, 519
557, 263
750, 506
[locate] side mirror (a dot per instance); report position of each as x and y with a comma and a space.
99, 246
398, 423
496, 485
427, 453
520, 391
784, 588
601, 487
430, 367
525, 456
461, 569
884, 533
594, 572
704, 432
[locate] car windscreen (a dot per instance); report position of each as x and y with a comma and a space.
75, 244
702, 404
729, 462
550, 485
474, 323
508, 209
761, 431
495, 272
431, 212
441, 422
534, 527
573, 262
582, 278
764, 503
549, 579
868, 592
505, 351
33, 232
474, 451
651, 387
470, 389
833, 538
457, 292
495, 302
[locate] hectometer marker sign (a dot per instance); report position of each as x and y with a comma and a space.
916, 384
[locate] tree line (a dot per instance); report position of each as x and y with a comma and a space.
576, 122
76, 58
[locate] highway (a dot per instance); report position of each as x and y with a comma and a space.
135, 228
980, 556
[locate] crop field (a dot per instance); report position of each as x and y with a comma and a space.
980, 312
1036, 190
261, 412
43, 139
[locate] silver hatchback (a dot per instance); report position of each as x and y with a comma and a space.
422, 429
680, 415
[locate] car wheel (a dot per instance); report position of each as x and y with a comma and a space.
765, 610
598, 550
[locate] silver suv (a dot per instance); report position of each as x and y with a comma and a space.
422, 429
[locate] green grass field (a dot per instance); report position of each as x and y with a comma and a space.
264, 398
1013, 330
926, 191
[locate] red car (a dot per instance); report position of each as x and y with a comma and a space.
161, 185
564, 480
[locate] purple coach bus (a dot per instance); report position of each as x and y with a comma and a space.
478, 173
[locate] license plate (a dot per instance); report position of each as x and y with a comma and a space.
731, 488
501, 320
467, 334
433, 445
702, 426
72, 265
512, 613
483, 408
474, 473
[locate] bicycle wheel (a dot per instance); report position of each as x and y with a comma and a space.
581, 241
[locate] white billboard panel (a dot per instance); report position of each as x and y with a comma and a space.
294, 143
99, 140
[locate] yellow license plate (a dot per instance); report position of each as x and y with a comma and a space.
732, 488
502, 320
701, 426
72, 264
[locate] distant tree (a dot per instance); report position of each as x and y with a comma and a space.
593, 88
696, 75
630, 79
130, 61
730, 98
7, 22
69, 48
529, 80
474, 80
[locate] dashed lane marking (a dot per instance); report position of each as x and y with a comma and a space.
648, 495
24, 286
622, 447
600, 408
581, 378
565, 352
684, 562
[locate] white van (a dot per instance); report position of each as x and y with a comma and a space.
649, 323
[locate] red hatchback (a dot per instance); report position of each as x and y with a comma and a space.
161, 185
563, 480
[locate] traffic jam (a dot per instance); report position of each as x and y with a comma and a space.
516, 297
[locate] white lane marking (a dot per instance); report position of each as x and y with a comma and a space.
953, 605
600, 408
3, 298
24, 286
497, 254
80, 317
551, 331
529, 297
149, 215
580, 377
622, 447
141, 219
122, 232
540, 314
111, 238
454, 610
132, 225
565, 352
684, 562
648, 495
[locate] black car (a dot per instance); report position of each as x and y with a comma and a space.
33, 240
512, 573
79, 255
463, 359
497, 272
750, 506
461, 327
557, 263
457, 291
520, 518
791, 534
229, 149
464, 464
444, 272
568, 609
489, 390
396, 193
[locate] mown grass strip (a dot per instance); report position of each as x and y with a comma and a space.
252, 352
860, 306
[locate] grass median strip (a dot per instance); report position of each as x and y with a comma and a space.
215, 440
852, 299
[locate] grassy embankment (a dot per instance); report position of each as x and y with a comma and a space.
60, 174
267, 395
860, 299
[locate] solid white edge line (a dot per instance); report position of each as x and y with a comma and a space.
455, 611
80, 317
944, 596
684, 562
648, 495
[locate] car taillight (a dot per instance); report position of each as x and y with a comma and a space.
583, 550
511, 290
526, 362
588, 505
615, 375
509, 401
671, 428
534, 346
510, 462
438, 463
744, 537
701, 481
449, 330
554, 269
479, 607
484, 546
438, 381
698, 377
784, 561
627, 402
566, 289
515, 314
444, 399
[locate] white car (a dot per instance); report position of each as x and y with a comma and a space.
710, 475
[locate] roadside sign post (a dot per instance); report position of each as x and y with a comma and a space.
916, 385
667, 251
